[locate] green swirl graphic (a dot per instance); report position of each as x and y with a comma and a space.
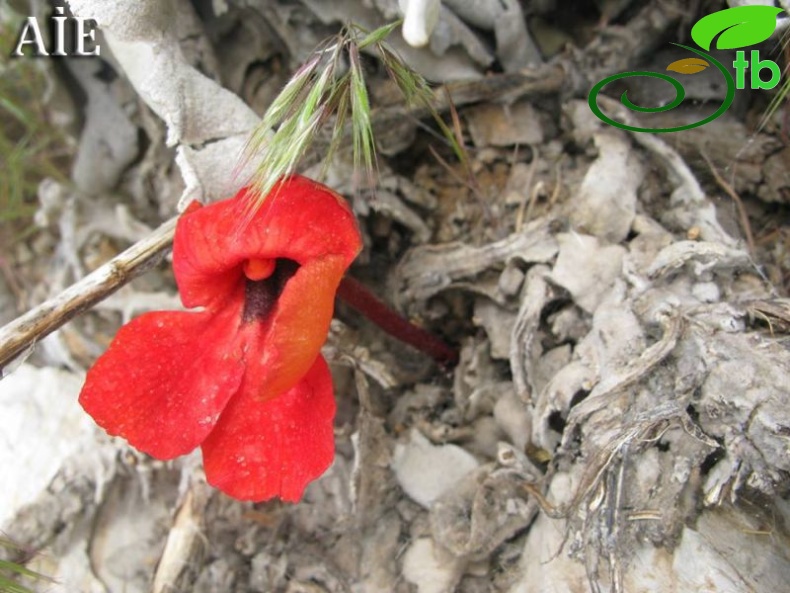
680, 94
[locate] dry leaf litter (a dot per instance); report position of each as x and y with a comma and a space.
619, 418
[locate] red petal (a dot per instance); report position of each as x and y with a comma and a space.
302, 220
165, 379
260, 450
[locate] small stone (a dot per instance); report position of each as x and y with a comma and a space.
500, 125
707, 292
426, 471
510, 280
430, 568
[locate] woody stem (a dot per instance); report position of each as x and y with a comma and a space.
22, 333
358, 296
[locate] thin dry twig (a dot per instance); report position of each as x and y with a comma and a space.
553, 511
185, 543
526, 205
614, 554
50, 315
728, 189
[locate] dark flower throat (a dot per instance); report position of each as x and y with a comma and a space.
260, 296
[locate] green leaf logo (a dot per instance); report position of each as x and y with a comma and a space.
740, 26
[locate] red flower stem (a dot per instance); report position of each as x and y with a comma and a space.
358, 296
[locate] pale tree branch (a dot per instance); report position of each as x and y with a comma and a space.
25, 331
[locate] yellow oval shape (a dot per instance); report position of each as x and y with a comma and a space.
688, 66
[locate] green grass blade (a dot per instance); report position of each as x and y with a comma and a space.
362, 131
378, 35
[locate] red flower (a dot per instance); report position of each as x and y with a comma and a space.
243, 378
